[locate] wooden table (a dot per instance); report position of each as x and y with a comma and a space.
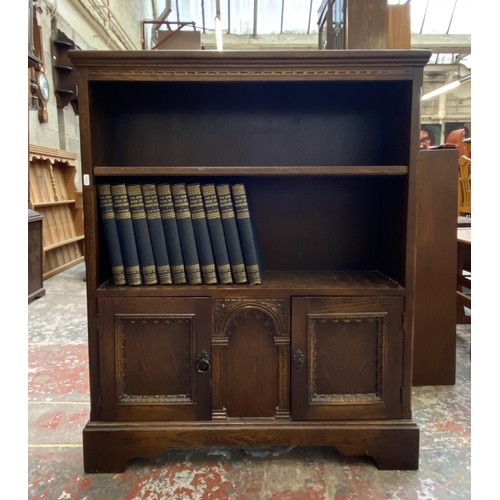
463, 264
463, 221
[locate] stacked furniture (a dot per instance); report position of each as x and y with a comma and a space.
320, 353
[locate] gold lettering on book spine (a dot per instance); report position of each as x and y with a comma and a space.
149, 273
209, 275
194, 274
133, 274
253, 273
178, 274
225, 273
118, 273
164, 275
239, 273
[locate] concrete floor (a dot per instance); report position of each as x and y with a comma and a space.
58, 408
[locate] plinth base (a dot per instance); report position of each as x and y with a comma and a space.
107, 447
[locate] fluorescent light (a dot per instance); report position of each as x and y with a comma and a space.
218, 33
446, 88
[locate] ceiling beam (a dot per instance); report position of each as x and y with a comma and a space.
457, 44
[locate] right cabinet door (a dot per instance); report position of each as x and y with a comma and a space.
347, 358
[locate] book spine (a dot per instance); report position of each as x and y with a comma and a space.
111, 234
156, 233
171, 231
186, 234
248, 235
216, 231
141, 231
125, 230
231, 233
202, 236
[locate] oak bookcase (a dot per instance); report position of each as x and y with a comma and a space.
326, 143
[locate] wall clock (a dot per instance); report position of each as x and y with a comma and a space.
43, 84
44, 89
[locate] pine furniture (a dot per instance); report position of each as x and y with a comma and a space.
326, 143
53, 194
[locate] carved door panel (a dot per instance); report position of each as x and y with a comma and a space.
251, 359
347, 358
154, 358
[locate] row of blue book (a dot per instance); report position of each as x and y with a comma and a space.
179, 234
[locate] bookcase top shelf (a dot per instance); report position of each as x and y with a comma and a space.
249, 170
279, 283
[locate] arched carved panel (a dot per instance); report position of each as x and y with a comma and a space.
251, 352
275, 310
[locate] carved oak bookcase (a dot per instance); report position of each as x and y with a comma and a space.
326, 143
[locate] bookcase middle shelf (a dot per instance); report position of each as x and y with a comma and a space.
279, 283
251, 170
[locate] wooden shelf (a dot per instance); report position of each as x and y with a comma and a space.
53, 203
62, 243
234, 170
366, 283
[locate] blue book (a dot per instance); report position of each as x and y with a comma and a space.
111, 234
155, 226
248, 235
141, 231
186, 234
171, 232
216, 231
201, 233
126, 235
231, 233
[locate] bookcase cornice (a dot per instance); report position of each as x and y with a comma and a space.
250, 65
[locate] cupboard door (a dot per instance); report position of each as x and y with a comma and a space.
347, 358
154, 358
251, 352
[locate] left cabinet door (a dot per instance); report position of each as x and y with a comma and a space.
154, 358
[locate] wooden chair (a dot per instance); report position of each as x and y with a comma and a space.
464, 180
464, 279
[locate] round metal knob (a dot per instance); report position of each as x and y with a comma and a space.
203, 365
203, 362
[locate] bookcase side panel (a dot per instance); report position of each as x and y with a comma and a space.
93, 258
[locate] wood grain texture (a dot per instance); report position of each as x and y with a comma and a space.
149, 350
353, 364
436, 263
366, 24
255, 334
275, 285
252, 170
109, 446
